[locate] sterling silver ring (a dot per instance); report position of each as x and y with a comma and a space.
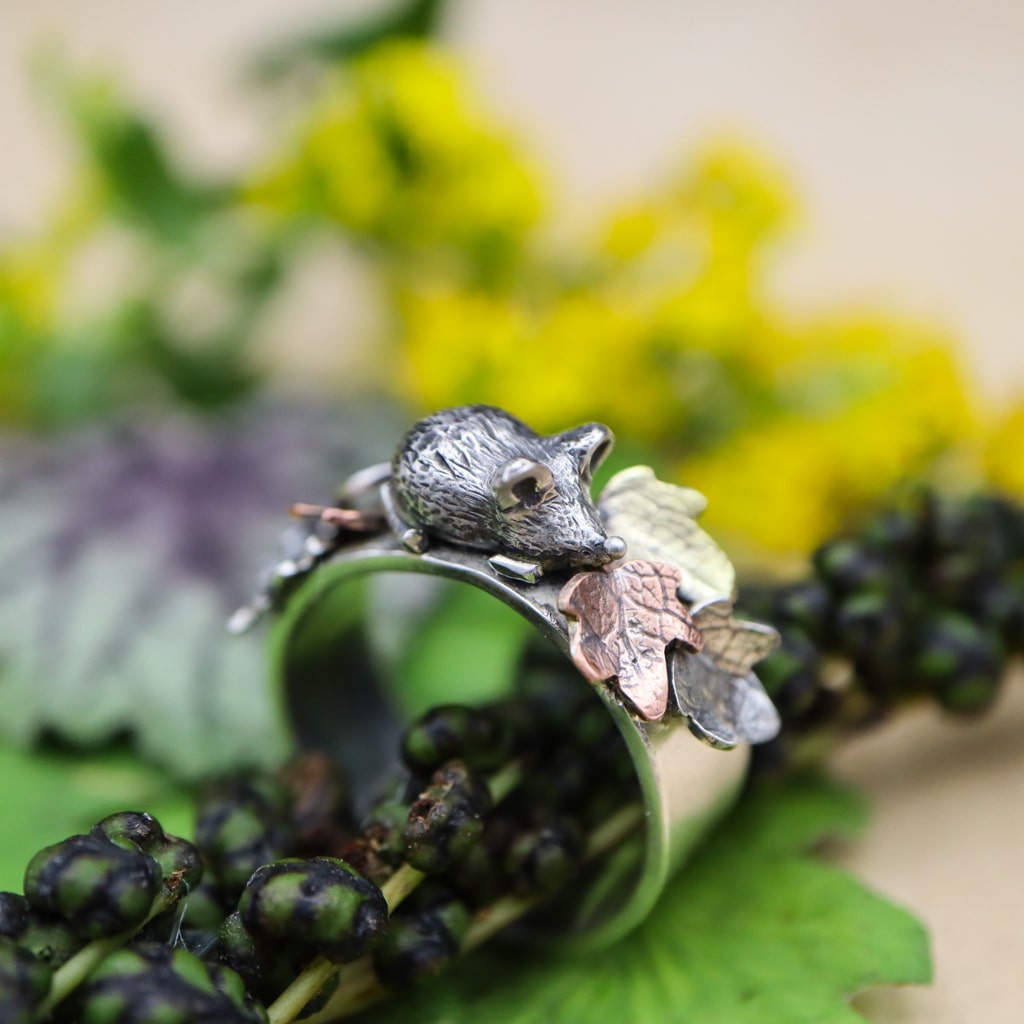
629, 589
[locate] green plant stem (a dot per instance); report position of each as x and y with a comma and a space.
290, 1003
71, 974
610, 833
400, 885
74, 971
358, 986
357, 989
502, 782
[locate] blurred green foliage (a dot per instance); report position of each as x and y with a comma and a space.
408, 19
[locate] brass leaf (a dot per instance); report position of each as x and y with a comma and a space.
733, 644
658, 522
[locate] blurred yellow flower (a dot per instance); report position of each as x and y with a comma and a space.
637, 331
663, 331
28, 288
724, 198
575, 359
398, 152
659, 320
1003, 452
630, 232
786, 484
33, 279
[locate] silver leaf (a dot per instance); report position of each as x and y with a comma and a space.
716, 690
724, 709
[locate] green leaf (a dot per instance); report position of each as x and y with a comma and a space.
124, 550
129, 155
411, 19
754, 931
114, 649
50, 794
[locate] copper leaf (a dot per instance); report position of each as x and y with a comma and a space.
621, 622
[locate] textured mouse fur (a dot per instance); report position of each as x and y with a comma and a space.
477, 477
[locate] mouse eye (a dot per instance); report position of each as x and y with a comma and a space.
522, 484
527, 492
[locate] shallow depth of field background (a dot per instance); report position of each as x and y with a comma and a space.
899, 125
899, 129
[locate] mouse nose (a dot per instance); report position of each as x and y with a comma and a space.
614, 547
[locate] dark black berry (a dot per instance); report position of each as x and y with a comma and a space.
320, 803
446, 820
322, 902
541, 860
24, 983
151, 983
425, 936
13, 915
267, 966
179, 860
847, 565
959, 660
99, 888
477, 736
241, 825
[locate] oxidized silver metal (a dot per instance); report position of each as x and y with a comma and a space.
630, 589
479, 478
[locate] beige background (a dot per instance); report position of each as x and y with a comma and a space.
902, 127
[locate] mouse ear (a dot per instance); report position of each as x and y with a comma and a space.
522, 483
589, 445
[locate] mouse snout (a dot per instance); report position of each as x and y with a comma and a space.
614, 548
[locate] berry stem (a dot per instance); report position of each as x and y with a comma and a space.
291, 1002
502, 782
610, 833
71, 974
79, 967
400, 885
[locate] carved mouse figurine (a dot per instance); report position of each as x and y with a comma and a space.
477, 477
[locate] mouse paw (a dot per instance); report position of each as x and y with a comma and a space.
415, 540
515, 569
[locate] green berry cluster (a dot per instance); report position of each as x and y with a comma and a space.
285, 874
435, 815
93, 891
925, 602
152, 982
